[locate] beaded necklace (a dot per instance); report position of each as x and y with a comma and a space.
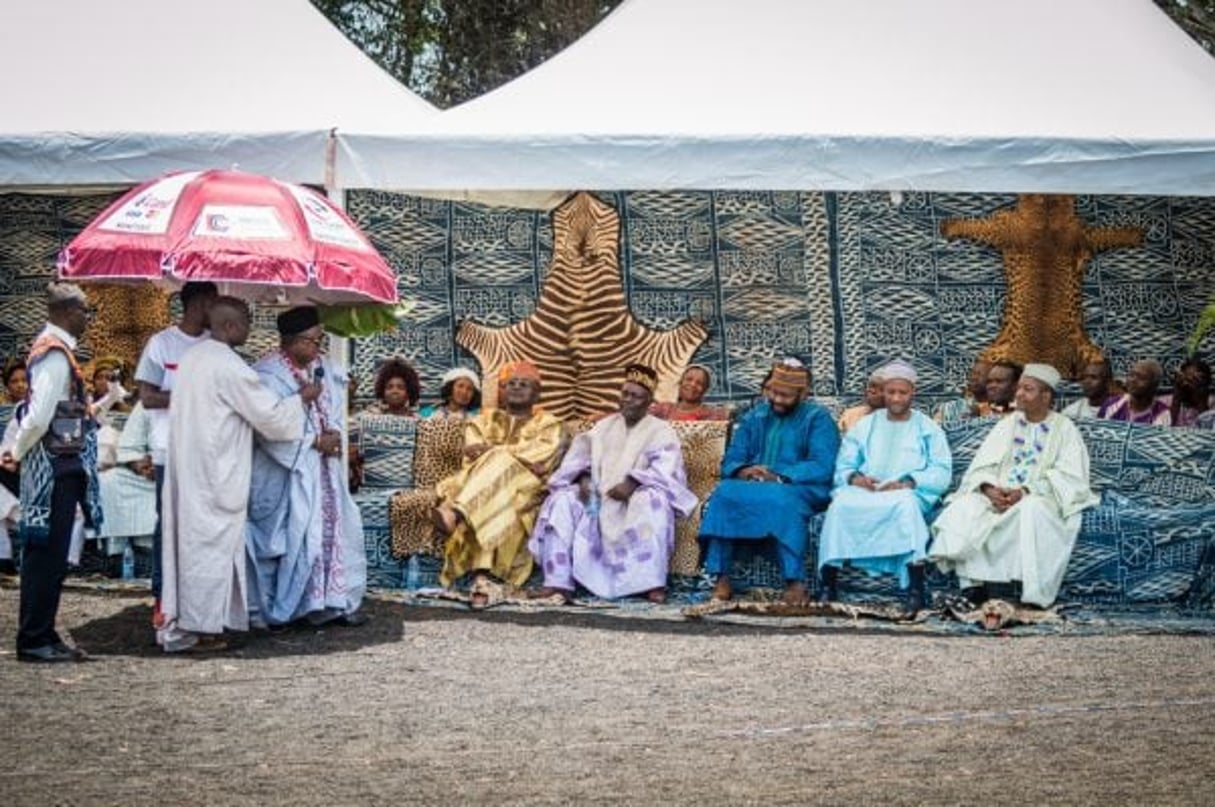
318, 413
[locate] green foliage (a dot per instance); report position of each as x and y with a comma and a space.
1206, 321
1196, 18
449, 51
361, 319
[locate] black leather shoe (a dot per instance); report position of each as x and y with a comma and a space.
352, 620
47, 654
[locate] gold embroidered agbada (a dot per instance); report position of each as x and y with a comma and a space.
498, 494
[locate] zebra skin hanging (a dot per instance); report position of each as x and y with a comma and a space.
582, 334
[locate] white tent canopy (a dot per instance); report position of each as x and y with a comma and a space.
1068, 96
110, 93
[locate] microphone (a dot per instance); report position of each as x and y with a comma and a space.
318, 375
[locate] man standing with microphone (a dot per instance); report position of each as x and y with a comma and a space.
218, 404
306, 553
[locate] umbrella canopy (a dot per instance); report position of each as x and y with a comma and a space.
254, 236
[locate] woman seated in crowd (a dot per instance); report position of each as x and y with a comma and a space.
108, 396
16, 382
397, 388
128, 487
460, 396
690, 405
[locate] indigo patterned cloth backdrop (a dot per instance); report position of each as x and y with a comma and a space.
843, 281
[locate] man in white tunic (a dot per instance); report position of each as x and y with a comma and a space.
305, 538
218, 402
1016, 513
892, 468
154, 377
609, 520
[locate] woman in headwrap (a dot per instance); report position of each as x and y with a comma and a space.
460, 395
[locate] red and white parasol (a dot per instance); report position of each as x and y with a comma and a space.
256, 237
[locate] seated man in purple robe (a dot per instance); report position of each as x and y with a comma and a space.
609, 521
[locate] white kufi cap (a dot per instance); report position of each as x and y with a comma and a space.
1045, 373
898, 370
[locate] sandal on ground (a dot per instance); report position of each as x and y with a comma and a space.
206, 645
547, 595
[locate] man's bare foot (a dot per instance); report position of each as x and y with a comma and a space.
656, 595
795, 594
548, 592
445, 519
722, 591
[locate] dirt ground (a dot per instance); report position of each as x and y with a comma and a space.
435, 705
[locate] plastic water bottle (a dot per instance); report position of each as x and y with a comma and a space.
413, 574
128, 563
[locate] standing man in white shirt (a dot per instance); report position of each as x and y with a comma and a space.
57, 476
154, 375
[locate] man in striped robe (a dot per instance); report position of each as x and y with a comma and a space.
489, 506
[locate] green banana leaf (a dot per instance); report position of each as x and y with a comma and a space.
364, 319
1206, 321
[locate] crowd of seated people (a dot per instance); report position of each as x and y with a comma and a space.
876, 491
606, 523
1137, 400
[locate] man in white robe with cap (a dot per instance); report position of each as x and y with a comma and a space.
1017, 511
893, 466
305, 534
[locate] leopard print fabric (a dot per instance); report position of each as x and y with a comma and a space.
439, 445
703, 443
127, 316
1046, 249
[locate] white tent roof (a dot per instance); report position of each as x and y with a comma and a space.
1076, 96
116, 92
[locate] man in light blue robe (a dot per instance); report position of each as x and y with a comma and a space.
776, 473
892, 469
305, 535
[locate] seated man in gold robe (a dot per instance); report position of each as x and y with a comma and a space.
488, 507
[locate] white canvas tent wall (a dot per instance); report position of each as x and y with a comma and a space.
112, 93
1070, 96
